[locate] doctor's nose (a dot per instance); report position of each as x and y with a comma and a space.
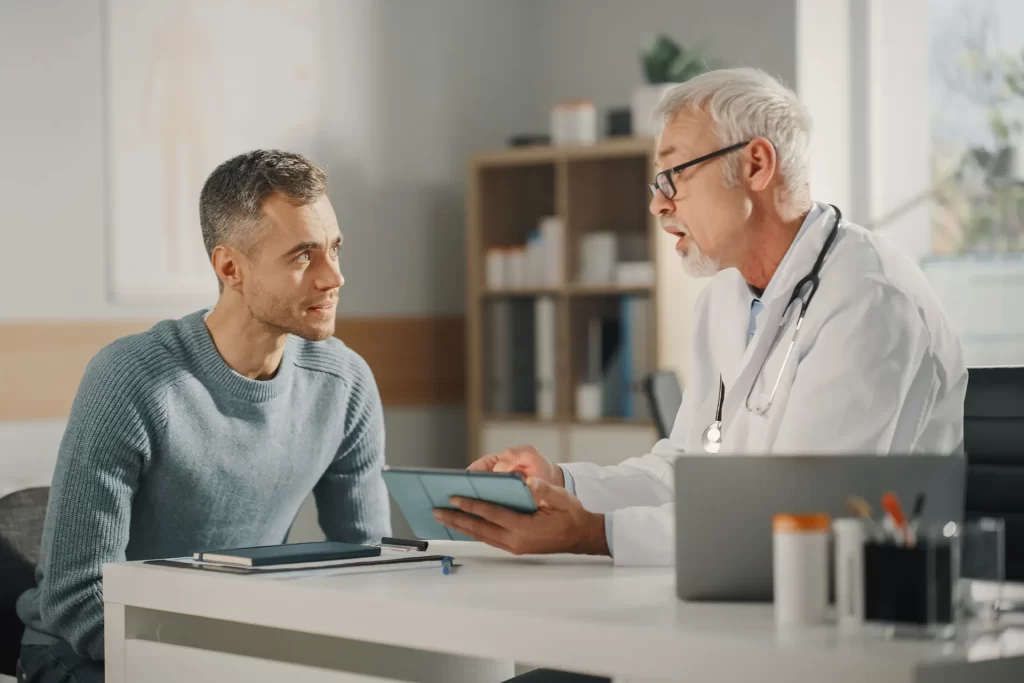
660, 205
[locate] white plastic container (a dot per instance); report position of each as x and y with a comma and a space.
515, 267
588, 401
496, 268
849, 536
574, 122
597, 258
800, 564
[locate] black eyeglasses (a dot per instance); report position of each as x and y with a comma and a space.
663, 181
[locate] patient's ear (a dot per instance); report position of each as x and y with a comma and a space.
227, 264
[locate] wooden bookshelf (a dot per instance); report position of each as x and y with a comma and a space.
601, 187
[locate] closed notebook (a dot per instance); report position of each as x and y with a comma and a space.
292, 553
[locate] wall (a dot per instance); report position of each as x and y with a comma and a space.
591, 48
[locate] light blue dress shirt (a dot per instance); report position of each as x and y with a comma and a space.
817, 210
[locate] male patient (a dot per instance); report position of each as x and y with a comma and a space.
211, 430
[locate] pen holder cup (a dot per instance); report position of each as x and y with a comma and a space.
913, 588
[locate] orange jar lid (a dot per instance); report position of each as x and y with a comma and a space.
801, 523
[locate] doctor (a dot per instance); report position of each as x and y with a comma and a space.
814, 335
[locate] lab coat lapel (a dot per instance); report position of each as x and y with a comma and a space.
800, 262
731, 306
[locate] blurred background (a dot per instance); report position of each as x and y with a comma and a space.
487, 161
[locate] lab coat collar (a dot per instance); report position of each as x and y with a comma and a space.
733, 352
816, 212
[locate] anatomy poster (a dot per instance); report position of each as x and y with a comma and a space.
191, 83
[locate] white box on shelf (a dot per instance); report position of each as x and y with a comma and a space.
597, 258
635, 274
552, 232
515, 262
574, 123
633, 246
588, 401
534, 270
496, 268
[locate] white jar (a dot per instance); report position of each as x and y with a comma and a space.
800, 567
849, 535
496, 268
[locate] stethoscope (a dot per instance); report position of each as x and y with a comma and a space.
712, 437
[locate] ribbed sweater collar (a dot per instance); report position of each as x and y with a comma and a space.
213, 368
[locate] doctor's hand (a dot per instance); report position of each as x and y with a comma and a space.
560, 525
523, 459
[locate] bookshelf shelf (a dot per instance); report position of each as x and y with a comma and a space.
608, 290
524, 291
539, 155
513, 420
544, 337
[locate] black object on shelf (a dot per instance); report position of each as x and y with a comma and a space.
528, 140
620, 122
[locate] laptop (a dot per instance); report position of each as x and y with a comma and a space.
725, 505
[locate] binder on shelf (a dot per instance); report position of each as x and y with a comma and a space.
511, 365
499, 330
634, 319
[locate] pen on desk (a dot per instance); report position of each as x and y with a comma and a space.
448, 566
402, 544
891, 504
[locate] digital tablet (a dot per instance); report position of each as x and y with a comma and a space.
418, 491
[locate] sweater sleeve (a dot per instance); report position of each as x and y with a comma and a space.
98, 467
351, 498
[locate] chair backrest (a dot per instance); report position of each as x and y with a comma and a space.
664, 394
21, 531
994, 443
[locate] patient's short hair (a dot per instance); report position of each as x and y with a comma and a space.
231, 203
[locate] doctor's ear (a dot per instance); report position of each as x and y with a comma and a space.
760, 164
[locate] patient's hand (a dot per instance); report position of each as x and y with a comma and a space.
523, 459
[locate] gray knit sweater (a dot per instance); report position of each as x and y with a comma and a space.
168, 451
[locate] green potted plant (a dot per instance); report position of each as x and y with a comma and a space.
665, 63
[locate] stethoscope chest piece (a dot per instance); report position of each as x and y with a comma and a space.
711, 439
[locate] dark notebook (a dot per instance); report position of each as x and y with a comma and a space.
293, 553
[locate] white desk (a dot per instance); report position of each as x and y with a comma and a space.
571, 613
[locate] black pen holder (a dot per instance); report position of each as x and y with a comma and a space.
912, 585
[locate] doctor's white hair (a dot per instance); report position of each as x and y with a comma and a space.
746, 103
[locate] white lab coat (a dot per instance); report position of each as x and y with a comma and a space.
876, 369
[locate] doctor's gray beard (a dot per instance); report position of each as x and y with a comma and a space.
696, 263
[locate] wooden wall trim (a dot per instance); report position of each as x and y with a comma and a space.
417, 361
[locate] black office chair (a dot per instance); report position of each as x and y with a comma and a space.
665, 395
21, 532
994, 443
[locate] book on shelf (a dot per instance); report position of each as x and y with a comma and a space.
511, 361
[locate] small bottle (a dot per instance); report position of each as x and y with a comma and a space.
800, 564
849, 535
